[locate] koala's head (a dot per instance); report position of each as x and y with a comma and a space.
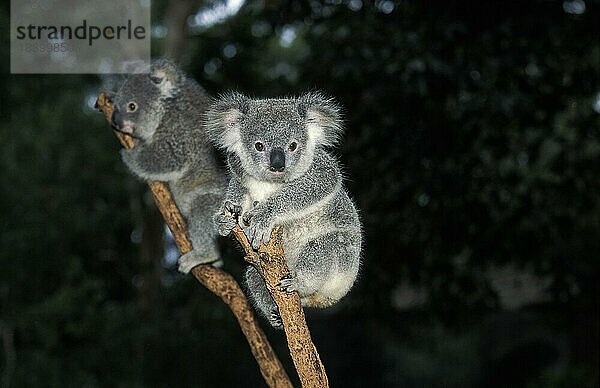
274, 139
141, 102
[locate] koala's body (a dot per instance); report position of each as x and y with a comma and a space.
281, 174
162, 111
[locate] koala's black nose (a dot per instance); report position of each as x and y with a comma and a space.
277, 162
115, 119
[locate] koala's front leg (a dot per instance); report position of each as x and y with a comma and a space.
259, 223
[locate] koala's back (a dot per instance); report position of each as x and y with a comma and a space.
204, 175
199, 192
184, 112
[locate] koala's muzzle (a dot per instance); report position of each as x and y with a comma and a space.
277, 160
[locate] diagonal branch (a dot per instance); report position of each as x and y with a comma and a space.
270, 263
216, 280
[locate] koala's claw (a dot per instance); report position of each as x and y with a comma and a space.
288, 283
256, 235
235, 210
257, 226
275, 319
247, 218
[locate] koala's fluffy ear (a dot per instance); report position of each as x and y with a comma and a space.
166, 76
323, 118
224, 118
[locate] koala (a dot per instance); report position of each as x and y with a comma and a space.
282, 174
162, 111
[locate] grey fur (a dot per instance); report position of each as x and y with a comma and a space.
171, 145
322, 231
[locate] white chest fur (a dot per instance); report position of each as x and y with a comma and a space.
260, 190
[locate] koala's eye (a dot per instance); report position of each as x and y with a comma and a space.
131, 106
293, 146
259, 146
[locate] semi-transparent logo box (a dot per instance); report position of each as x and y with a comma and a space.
79, 36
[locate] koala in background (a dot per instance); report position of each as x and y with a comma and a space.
281, 174
162, 111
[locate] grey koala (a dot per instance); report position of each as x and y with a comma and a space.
162, 111
281, 174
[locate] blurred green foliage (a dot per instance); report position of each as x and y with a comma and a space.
471, 140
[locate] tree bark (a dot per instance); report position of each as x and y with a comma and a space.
216, 280
270, 263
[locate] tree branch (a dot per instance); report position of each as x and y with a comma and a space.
270, 263
216, 280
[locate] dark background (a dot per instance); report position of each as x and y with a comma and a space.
472, 150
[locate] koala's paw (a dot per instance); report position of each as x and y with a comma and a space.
247, 218
189, 260
275, 319
234, 210
224, 224
257, 233
258, 228
288, 283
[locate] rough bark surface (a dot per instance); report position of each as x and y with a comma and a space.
270, 263
216, 280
